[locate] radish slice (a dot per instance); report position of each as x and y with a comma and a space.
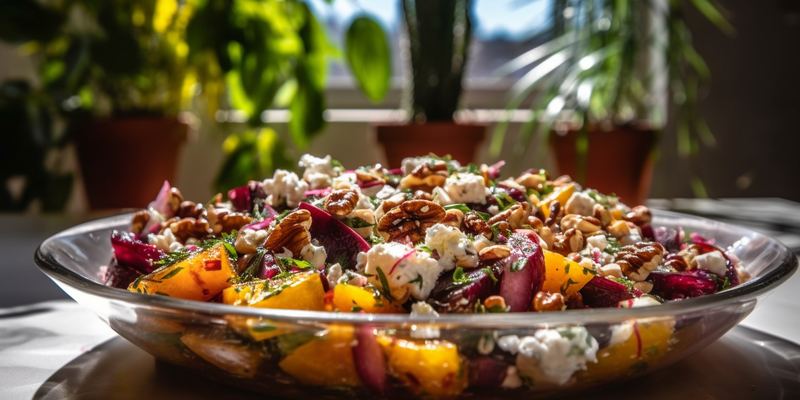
134, 254
161, 203
523, 273
341, 242
369, 359
318, 192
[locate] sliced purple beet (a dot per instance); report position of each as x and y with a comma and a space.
603, 293
369, 359
117, 276
268, 267
240, 199
448, 297
161, 203
132, 253
668, 237
523, 273
679, 286
485, 371
341, 242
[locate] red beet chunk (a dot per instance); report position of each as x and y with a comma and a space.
268, 266
448, 296
369, 360
486, 372
523, 273
117, 276
603, 293
240, 199
132, 253
679, 286
341, 242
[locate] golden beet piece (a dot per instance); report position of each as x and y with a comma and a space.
564, 276
327, 360
199, 277
426, 366
348, 297
301, 291
560, 194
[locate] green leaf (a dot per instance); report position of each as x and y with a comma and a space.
385, 284
715, 16
357, 222
459, 277
172, 273
369, 57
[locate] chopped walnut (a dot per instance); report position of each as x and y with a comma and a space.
475, 225
341, 202
140, 220
568, 242
453, 218
425, 177
291, 233
586, 225
638, 260
410, 220
516, 216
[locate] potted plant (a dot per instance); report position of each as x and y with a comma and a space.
115, 71
439, 34
593, 90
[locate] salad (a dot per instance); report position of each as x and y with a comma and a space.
430, 237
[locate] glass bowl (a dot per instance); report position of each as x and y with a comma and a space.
295, 354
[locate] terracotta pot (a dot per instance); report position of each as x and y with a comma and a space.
619, 161
409, 140
124, 162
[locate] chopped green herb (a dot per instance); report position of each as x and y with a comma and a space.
639, 366
459, 277
357, 222
424, 248
162, 294
173, 258
461, 207
374, 239
727, 284
337, 164
385, 284
567, 284
653, 351
231, 251
519, 265
262, 327
172, 273
291, 262
418, 281
488, 271
566, 268
135, 283
624, 281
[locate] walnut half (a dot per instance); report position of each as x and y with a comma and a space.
410, 219
291, 233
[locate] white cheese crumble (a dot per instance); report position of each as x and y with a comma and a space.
248, 240
424, 331
166, 241
314, 254
466, 188
318, 171
644, 301
509, 344
512, 379
284, 187
620, 333
347, 180
453, 247
580, 203
333, 274
551, 356
441, 197
712, 261
415, 274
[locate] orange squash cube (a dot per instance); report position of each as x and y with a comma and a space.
327, 360
348, 297
301, 291
564, 276
199, 277
426, 366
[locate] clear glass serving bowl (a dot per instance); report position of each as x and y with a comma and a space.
297, 354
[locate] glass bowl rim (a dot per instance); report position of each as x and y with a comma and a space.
747, 291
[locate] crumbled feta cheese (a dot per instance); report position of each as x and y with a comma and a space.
631, 239
166, 241
363, 202
314, 254
512, 379
509, 344
466, 188
597, 241
286, 187
612, 269
580, 203
551, 356
453, 247
620, 333
248, 240
410, 163
712, 261
333, 274
347, 180
415, 274
424, 331
286, 253
441, 197
318, 171
386, 192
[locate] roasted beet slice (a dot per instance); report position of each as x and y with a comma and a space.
117, 276
679, 286
161, 203
448, 296
602, 293
523, 273
132, 253
369, 359
485, 371
341, 242
268, 266
240, 199
668, 237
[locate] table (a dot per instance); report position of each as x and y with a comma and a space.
36, 340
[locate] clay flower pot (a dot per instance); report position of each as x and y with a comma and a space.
399, 141
619, 161
125, 161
